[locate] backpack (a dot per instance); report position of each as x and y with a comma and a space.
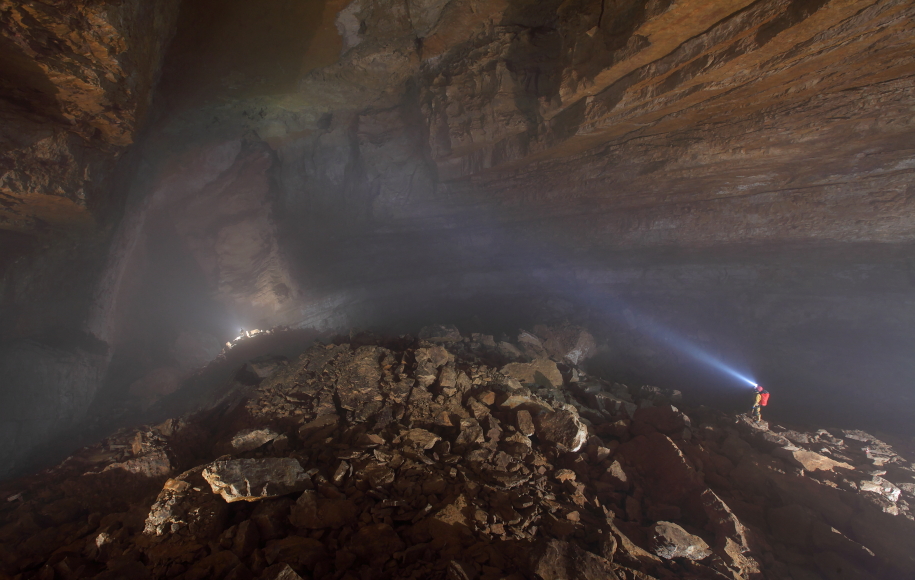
764, 398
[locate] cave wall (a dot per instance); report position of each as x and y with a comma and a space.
76, 82
739, 171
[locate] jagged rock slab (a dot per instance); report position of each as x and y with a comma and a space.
668, 540
561, 428
249, 439
255, 479
541, 372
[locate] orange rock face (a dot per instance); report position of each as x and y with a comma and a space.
77, 81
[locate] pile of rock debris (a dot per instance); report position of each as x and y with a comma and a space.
464, 458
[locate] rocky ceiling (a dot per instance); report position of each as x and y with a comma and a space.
738, 172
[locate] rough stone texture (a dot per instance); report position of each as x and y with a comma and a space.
569, 343
252, 439
668, 540
809, 460
565, 561
77, 81
561, 428
403, 493
541, 372
255, 479
312, 512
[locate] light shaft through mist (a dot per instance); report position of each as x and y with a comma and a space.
688, 348
646, 326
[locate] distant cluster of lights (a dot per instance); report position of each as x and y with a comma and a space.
243, 334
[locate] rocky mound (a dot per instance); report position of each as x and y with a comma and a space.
464, 458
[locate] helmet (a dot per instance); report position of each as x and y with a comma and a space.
759, 388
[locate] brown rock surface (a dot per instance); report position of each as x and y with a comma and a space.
407, 497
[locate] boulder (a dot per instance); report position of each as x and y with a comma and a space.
616, 477
669, 541
881, 487
524, 422
808, 460
255, 479
541, 371
561, 428
252, 439
568, 343
420, 438
185, 504
155, 463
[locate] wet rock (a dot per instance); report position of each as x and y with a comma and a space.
668, 540
255, 479
561, 428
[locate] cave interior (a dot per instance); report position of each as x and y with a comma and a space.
690, 180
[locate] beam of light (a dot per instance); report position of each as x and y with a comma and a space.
686, 347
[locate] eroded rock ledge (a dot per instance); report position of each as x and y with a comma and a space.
451, 457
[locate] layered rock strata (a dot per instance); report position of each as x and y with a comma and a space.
403, 458
76, 81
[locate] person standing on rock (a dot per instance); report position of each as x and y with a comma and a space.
760, 401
